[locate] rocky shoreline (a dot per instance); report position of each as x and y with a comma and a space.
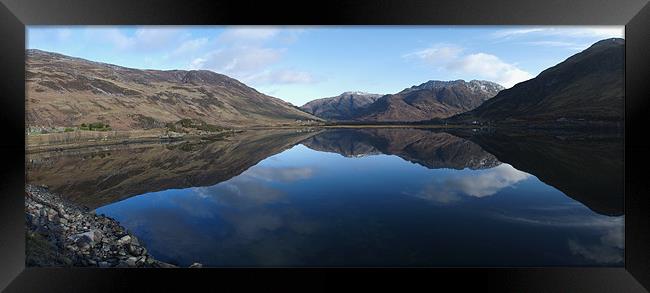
61, 233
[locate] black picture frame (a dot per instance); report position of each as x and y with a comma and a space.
634, 14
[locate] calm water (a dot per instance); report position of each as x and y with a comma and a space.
368, 197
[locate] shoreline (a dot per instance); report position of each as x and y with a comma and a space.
155, 136
60, 233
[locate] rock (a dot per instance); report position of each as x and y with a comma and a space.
89, 234
98, 235
124, 240
84, 238
140, 261
135, 250
131, 261
160, 264
83, 243
196, 265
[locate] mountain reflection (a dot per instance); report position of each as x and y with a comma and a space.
358, 197
588, 170
100, 176
585, 166
425, 147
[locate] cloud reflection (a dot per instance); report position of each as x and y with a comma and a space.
243, 201
287, 174
609, 248
476, 184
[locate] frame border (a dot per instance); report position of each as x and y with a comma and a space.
16, 14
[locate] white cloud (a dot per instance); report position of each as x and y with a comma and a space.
63, 34
190, 46
476, 184
569, 32
238, 61
248, 34
143, 39
488, 182
507, 33
285, 174
281, 76
155, 38
478, 65
490, 67
246, 53
113, 36
560, 44
609, 248
437, 54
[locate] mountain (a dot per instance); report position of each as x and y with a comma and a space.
95, 177
586, 86
432, 99
341, 107
428, 148
68, 91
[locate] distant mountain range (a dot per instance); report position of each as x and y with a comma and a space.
586, 86
68, 91
342, 107
432, 99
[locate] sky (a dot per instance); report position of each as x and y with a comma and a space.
302, 63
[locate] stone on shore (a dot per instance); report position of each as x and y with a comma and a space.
60, 233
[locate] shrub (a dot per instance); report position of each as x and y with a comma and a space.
97, 126
68, 129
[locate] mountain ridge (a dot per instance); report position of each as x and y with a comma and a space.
429, 100
588, 85
341, 107
67, 91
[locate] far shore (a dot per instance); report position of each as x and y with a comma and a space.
81, 139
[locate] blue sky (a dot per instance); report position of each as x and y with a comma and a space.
299, 64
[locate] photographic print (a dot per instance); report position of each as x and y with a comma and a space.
324, 146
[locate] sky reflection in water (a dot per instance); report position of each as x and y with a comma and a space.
304, 207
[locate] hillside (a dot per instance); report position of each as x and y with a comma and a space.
64, 91
433, 99
341, 107
588, 86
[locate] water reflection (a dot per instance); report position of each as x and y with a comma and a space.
476, 184
357, 197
